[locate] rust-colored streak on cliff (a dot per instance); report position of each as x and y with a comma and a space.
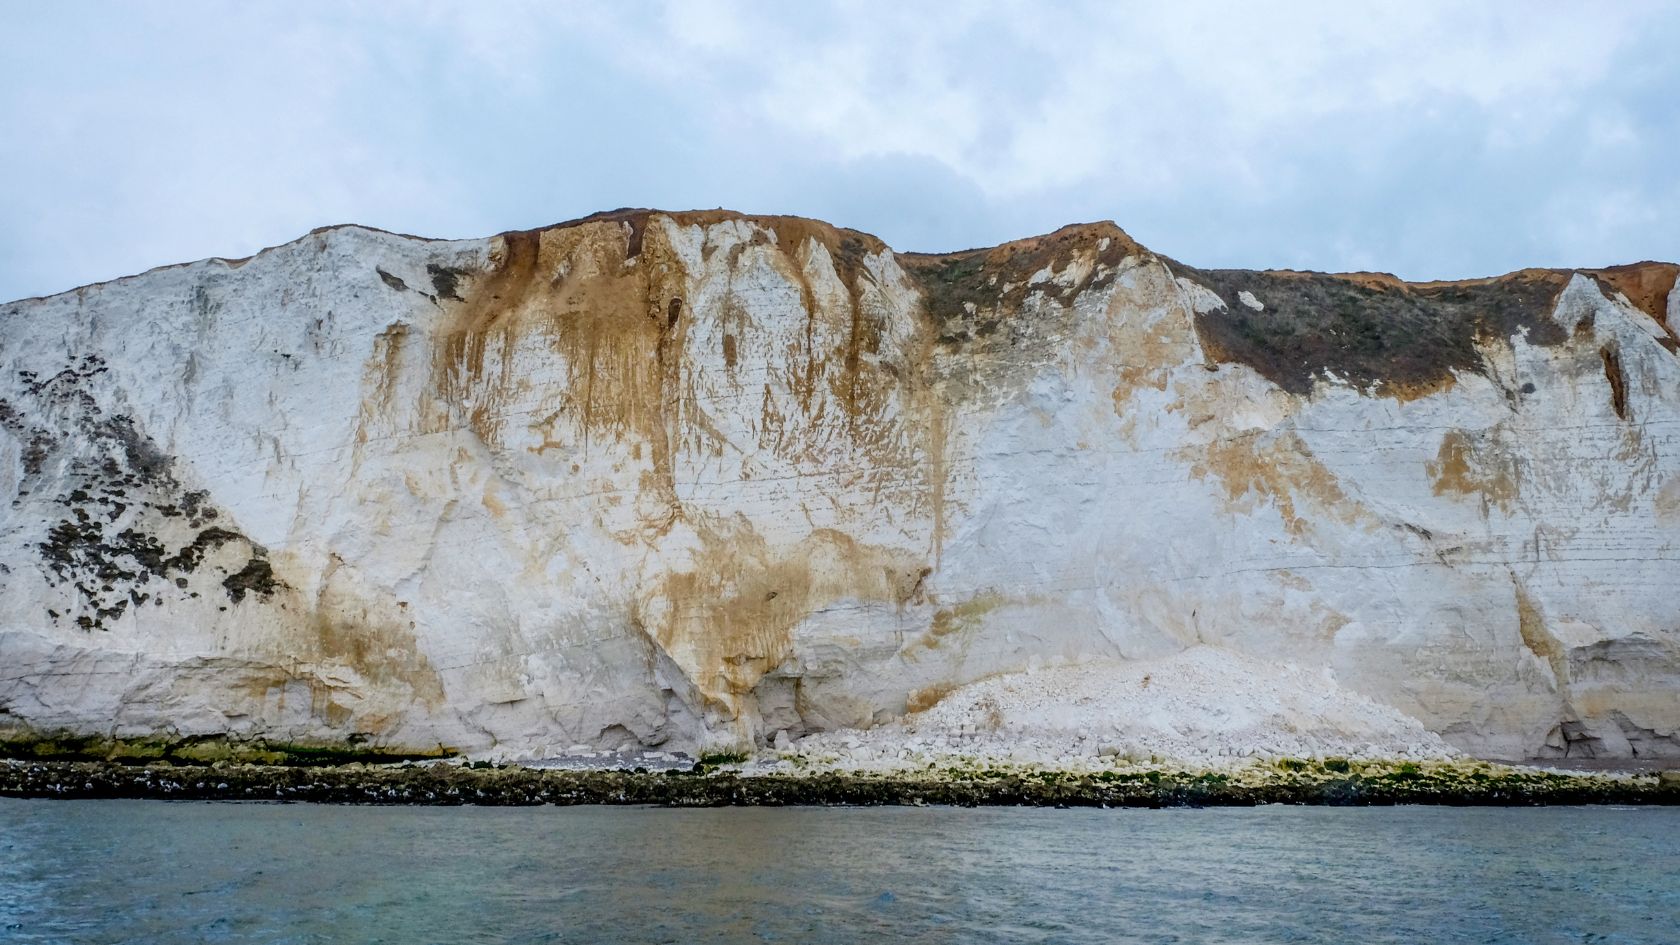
729, 620
1468, 465
1648, 285
576, 294
608, 297
354, 636
1281, 470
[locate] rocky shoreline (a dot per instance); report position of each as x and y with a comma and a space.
1286, 782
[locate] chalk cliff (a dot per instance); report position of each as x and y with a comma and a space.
697, 478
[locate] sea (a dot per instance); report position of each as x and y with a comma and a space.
111, 871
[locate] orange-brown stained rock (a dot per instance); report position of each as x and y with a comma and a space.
1531, 625
925, 698
1281, 470
1462, 468
607, 297
1141, 358
616, 328
1146, 351
617, 322
1646, 284
381, 378
848, 248
357, 628
955, 619
729, 619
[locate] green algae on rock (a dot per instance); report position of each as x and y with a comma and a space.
1364, 784
61, 747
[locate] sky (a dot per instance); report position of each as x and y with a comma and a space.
1430, 139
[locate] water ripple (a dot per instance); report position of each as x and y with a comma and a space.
161, 872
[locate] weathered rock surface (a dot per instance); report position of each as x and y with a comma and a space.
1201, 706
701, 478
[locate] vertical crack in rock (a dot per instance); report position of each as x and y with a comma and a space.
1531, 626
1568, 734
1618, 383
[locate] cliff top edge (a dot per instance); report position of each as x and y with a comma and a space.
1646, 282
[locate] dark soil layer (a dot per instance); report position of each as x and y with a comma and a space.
1396, 338
971, 294
449, 784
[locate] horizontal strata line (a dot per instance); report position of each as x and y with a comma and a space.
914, 431
912, 435
1027, 590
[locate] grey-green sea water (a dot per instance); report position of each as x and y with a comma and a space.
152, 871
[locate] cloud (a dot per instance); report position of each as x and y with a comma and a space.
1433, 139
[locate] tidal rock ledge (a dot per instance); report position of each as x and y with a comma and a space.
445, 784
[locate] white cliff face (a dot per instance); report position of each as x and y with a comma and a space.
685, 479
1204, 706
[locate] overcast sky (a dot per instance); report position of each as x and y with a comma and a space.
1434, 140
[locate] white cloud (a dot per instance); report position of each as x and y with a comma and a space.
1436, 139
1156, 91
